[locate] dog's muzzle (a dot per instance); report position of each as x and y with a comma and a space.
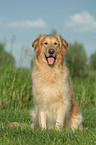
51, 56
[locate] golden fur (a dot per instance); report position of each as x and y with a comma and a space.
54, 104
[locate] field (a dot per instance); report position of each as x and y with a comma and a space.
16, 101
28, 136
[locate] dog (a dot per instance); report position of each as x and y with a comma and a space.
53, 96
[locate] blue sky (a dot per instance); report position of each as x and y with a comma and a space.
75, 20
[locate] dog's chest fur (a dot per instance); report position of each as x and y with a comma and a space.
49, 86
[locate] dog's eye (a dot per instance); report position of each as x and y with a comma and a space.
55, 43
45, 43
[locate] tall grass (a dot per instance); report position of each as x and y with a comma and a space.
16, 89
85, 92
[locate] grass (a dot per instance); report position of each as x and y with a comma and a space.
28, 136
16, 99
16, 89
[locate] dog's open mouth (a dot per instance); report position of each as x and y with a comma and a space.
50, 59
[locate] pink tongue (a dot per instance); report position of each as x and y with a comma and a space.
50, 60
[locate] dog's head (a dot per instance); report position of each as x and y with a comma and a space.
50, 47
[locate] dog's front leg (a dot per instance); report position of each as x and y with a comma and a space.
42, 120
61, 114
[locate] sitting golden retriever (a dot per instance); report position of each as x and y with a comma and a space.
54, 104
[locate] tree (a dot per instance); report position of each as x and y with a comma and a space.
76, 59
53, 32
92, 61
6, 59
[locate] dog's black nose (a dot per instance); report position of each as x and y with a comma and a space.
51, 51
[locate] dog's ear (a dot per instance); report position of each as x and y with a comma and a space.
63, 44
37, 44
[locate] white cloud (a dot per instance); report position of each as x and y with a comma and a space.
24, 24
82, 22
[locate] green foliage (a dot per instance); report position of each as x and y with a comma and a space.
15, 88
53, 32
76, 59
2, 47
92, 61
85, 92
26, 135
6, 59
